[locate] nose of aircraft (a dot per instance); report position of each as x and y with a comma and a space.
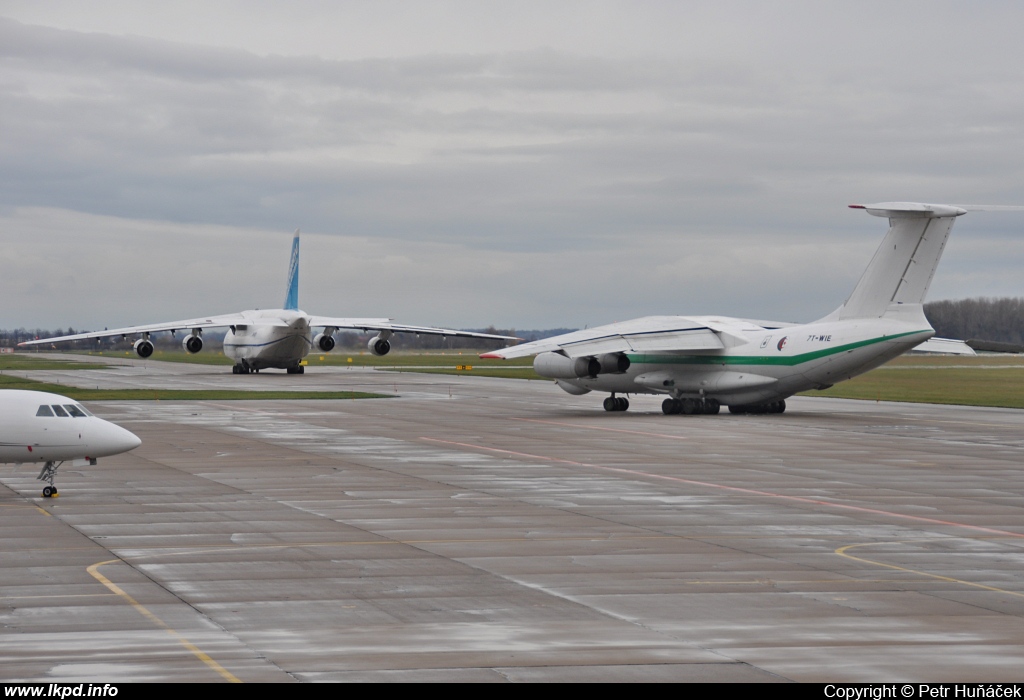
114, 439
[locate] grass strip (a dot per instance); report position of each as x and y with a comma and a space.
998, 387
20, 361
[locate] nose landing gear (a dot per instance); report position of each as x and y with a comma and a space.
49, 473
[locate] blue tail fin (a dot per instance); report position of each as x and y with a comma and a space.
291, 302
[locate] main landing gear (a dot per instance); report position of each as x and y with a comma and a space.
690, 407
616, 404
48, 473
297, 370
243, 368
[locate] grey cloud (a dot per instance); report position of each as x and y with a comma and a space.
710, 174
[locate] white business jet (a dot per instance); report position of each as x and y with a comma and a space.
270, 338
704, 362
36, 426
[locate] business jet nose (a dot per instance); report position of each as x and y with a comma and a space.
115, 439
130, 440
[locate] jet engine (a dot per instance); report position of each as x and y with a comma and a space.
326, 342
557, 366
379, 346
192, 344
613, 363
143, 347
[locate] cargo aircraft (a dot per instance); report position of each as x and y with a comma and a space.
701, 363
37, 426
269, 338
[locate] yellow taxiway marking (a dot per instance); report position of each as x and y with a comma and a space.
843, 552
141, 609
22, 505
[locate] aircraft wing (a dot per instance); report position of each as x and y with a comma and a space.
656, 334
183, 325
385, 324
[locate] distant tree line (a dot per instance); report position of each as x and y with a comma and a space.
983, 318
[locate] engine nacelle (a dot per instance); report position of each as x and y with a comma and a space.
326, 342
192, 344
556, 366
613, 363
379, 346
143, 347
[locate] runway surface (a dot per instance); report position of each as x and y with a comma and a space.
474, 529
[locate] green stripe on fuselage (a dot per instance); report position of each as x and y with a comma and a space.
779, 360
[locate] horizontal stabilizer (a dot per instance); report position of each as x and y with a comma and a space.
945, 346
910, 210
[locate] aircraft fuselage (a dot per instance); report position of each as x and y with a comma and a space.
37, 426
762, 364
275, 338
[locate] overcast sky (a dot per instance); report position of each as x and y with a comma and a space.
526, 164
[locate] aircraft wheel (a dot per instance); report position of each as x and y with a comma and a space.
610, 404
782, 406
689, 407
623, 404
712, 407
235, 370
670, 407
302, 370
49, 492
737, 409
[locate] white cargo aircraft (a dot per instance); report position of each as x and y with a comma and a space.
704, 362
36, 426
277, 338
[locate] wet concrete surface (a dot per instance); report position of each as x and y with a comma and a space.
474, 529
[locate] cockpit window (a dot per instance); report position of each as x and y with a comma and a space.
60, 411
83, 409
74, 410
45, 411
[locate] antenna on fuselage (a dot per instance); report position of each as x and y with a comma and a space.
291, 301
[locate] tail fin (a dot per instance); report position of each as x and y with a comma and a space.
905, 262
291, 301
